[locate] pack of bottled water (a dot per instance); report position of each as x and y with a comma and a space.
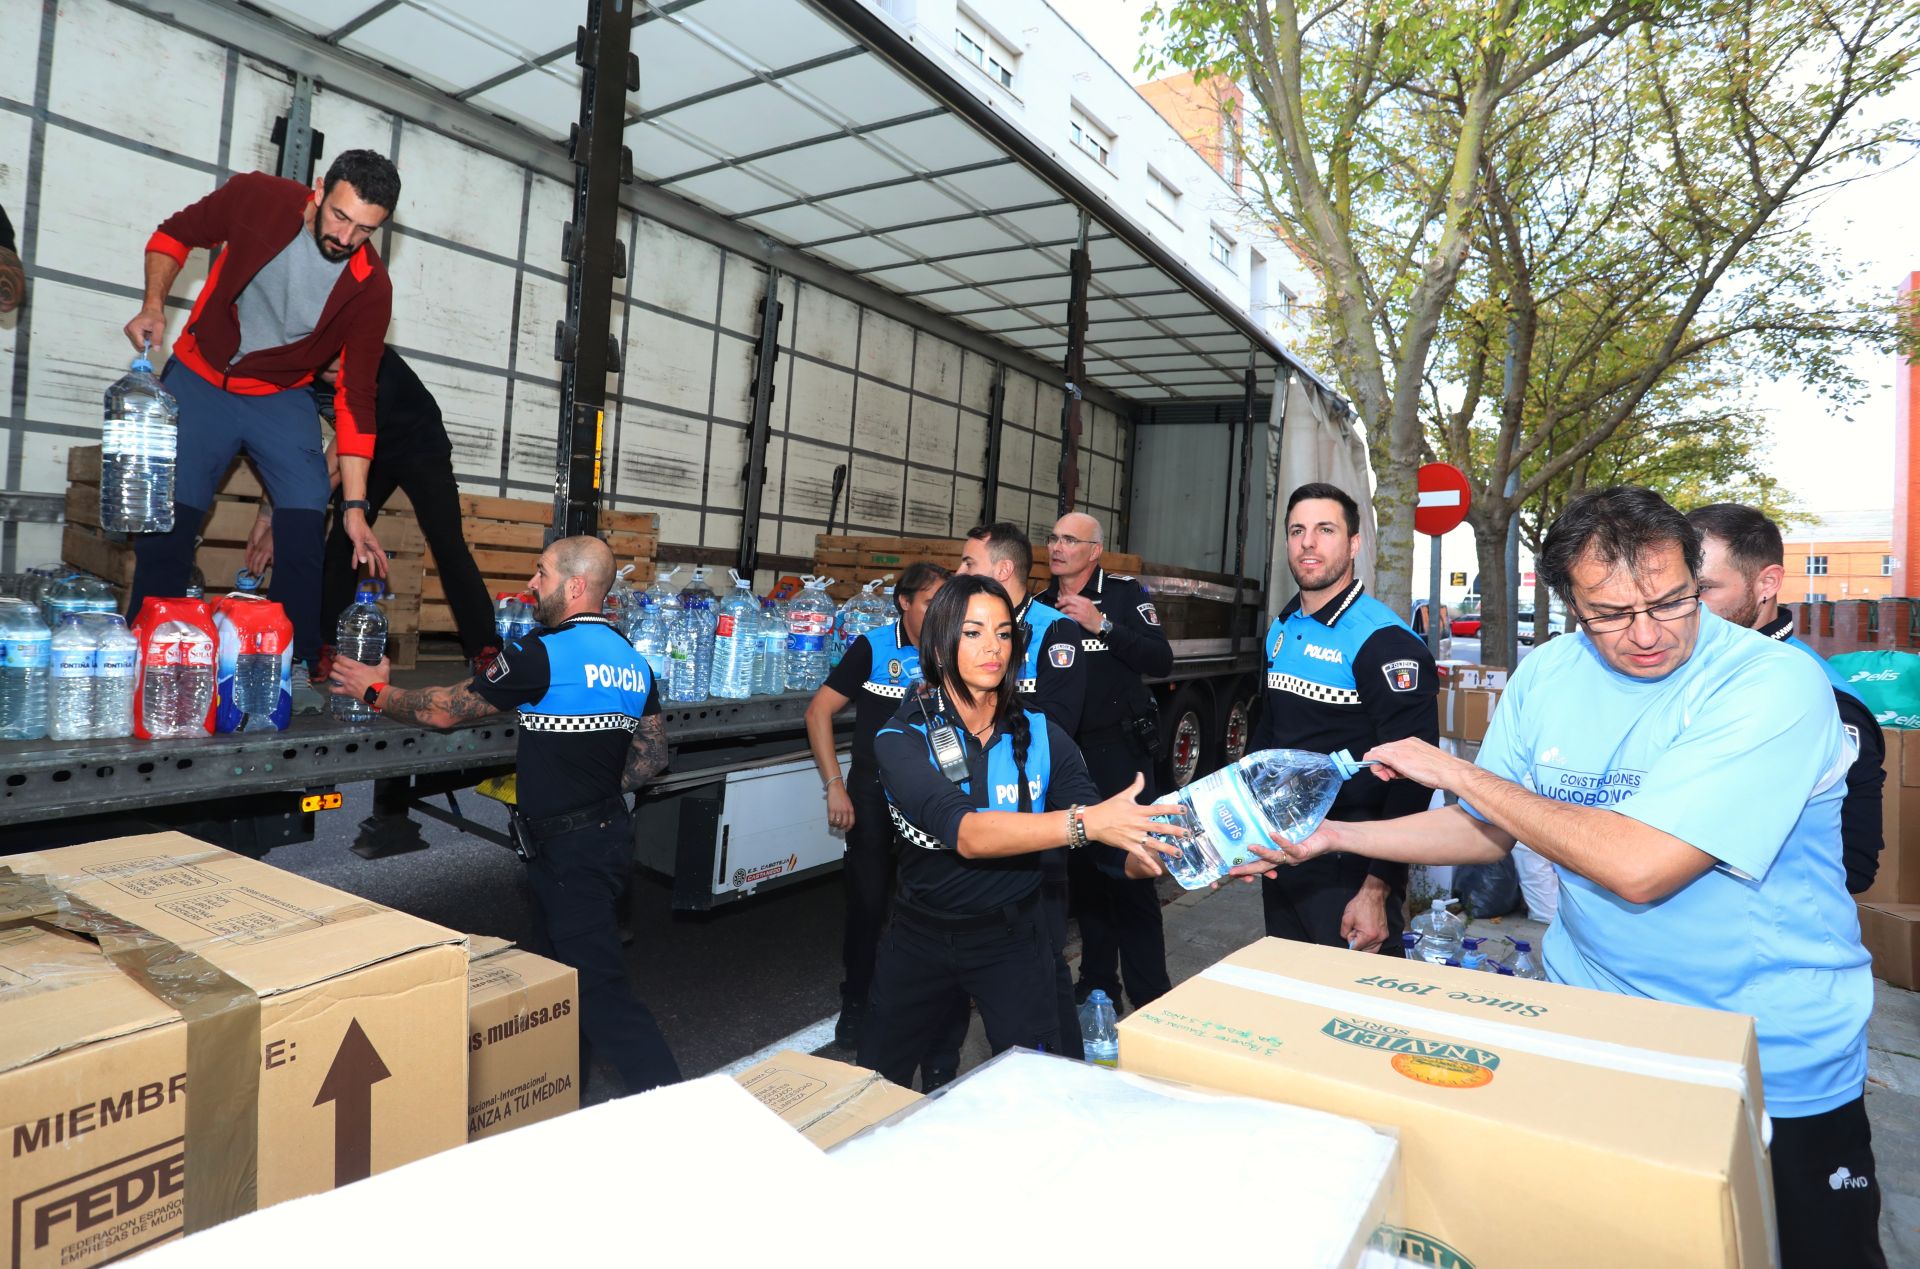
1257, 801
178, 651
360, 636
139, 441
25, 650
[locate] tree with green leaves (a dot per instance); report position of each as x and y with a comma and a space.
1526, 217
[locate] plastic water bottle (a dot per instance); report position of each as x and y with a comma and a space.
773, 638
663, 590
361, 636
178, 689
139, 440
649, 639
505, 605
1410, 945
1266, 796
525, 618
1099, 1032
1470, 953
707, 622
617, 607
25, 649
809, 626
77, 593
70, 694
697, 587
256, 686
734, 642
116, 666
1440, 932
1526, 964
684, 683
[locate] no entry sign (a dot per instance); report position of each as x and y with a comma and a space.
1444, 499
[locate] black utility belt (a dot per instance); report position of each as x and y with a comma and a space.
955, 922
551, 826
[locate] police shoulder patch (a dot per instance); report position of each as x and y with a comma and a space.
1061, 655
894, 667
1148, 613
1402, 676
498, 670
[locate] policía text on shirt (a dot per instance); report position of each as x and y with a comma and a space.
626, 678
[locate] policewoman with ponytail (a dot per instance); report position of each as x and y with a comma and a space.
977, 788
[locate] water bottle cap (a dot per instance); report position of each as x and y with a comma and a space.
1098, 997
1344, 763
1522, 945
1409, 938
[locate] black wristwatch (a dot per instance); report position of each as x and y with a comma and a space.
349, 504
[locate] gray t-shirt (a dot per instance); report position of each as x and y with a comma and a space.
283, 303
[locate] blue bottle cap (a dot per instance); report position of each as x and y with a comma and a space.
1098, 997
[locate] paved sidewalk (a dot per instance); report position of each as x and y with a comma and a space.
1203, 926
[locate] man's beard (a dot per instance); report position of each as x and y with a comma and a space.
550, 607
333, 252
1748, 613
1329, 576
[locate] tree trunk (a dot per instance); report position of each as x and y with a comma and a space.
1393, 500
1542, 602
1496, 589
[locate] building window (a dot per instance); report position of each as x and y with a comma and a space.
1091, 137
1219, 246
1163, 196
1886, 566
1816, 566
1815, 597
973, 42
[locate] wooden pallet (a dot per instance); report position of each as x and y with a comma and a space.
222, 552
506, 536
854, 561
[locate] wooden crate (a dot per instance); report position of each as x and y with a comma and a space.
506, 536
854, 561
223, 537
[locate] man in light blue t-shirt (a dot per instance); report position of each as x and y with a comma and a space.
1684, 775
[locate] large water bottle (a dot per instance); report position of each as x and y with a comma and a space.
684, 683
1440, 932
1099, 1030
506, 607
1470, 953
361, 636
865, 611
116, 667
697, 588
70, 682
735, 642
809, 626
773, 637
663, 591
650, 641
618, 606
256, 684
73, 594
138, 443
707, 618
247, 583
1410, 945
1266, 796
178, 688
524, 620
1526, 962
25, 648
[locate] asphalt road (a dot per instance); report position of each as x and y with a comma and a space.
723, 984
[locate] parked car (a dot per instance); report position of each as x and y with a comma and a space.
1446, 626
1466, 621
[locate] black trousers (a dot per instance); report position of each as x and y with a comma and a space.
1826, 1192
577, 882
1008, 967
427, 480
1121, 936
867, 873
1306, 903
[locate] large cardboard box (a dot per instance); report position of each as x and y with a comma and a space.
1540, 1124
1898, 880
827, 1101
523, 1038
1891, 932
1465, 712
187, 1034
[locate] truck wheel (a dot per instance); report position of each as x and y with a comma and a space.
1236, 731
1189, 723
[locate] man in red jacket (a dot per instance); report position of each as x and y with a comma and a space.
295, 283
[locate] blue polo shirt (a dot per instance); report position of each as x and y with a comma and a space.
1739, 752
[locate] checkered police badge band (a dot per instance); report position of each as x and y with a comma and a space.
1093, 645
892, 691
1026, 685
1313, 691
916, 836
578, 722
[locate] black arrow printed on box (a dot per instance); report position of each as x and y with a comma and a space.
349, 1086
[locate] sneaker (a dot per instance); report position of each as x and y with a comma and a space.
305, 699
483, 660
846, 1032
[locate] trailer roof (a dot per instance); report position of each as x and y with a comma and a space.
817, 124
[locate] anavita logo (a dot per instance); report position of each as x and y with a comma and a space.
1419, 1248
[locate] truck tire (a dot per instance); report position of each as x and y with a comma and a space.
1236, 726
1187, 748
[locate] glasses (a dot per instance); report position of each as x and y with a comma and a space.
1666, 610
1068, 540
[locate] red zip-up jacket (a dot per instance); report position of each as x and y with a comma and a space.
247, 222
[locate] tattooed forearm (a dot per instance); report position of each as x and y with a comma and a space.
435, 706
648, 756
13, 281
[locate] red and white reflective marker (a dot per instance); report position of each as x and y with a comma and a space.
1443, 498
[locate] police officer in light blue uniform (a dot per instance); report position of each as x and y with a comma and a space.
1343, 672
978, 788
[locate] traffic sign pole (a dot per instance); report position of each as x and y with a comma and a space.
1442, 497
1433, 598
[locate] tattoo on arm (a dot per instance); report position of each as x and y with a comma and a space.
436, 706
13, 281
647, 757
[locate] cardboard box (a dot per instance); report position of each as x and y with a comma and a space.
1466, 711
1891, 932
1472, 674
523, 1038
1540, 1124
827, 1101
187, 1034
1898, 880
